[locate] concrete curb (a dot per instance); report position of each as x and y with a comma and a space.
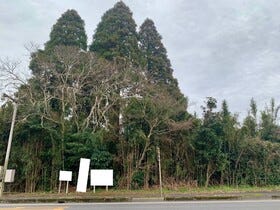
151, 199
67, 200
201, 198
275, 197
103, 199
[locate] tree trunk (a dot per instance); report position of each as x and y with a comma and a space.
209, 173
147, 175
207, 177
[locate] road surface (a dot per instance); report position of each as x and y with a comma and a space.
199, 205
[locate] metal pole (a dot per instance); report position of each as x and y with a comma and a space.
8, 149
159, 169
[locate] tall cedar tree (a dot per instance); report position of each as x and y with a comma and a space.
69, 30
157, 64
116, 35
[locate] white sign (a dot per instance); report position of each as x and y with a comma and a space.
83, 175
10, 175
65, 176
101, 177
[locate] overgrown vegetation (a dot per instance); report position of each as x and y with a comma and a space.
116, 103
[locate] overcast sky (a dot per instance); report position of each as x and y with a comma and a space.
227, 49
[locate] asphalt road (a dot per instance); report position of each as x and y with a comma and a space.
203, 205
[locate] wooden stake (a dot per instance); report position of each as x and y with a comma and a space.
159, 169
67, 187
59, 188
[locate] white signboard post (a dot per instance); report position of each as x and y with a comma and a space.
83, 175
10, 175
101, 177
65, 176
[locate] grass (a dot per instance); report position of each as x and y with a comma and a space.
154, 192
226, 189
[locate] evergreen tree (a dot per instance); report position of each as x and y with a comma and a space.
116, 35
157, 64
210, 156
54, 65
225, 111
250, 125
269, 130
69, 30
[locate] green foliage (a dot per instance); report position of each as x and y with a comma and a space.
253, 106
5, 123
250, 126
101, 159
156, 62
34, 143
88, 145
116, 35
208, 146
137, 180
210, 157
69, 30
260, 163
116, 112
268, 128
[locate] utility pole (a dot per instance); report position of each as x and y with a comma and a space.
3, 172
159, 169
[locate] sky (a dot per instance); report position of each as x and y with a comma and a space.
224, 49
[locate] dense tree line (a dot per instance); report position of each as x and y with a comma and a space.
115, 102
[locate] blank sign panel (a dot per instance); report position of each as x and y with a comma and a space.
101, 177
10, 175
65, 176
83, 175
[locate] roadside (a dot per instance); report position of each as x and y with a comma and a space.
145, 195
